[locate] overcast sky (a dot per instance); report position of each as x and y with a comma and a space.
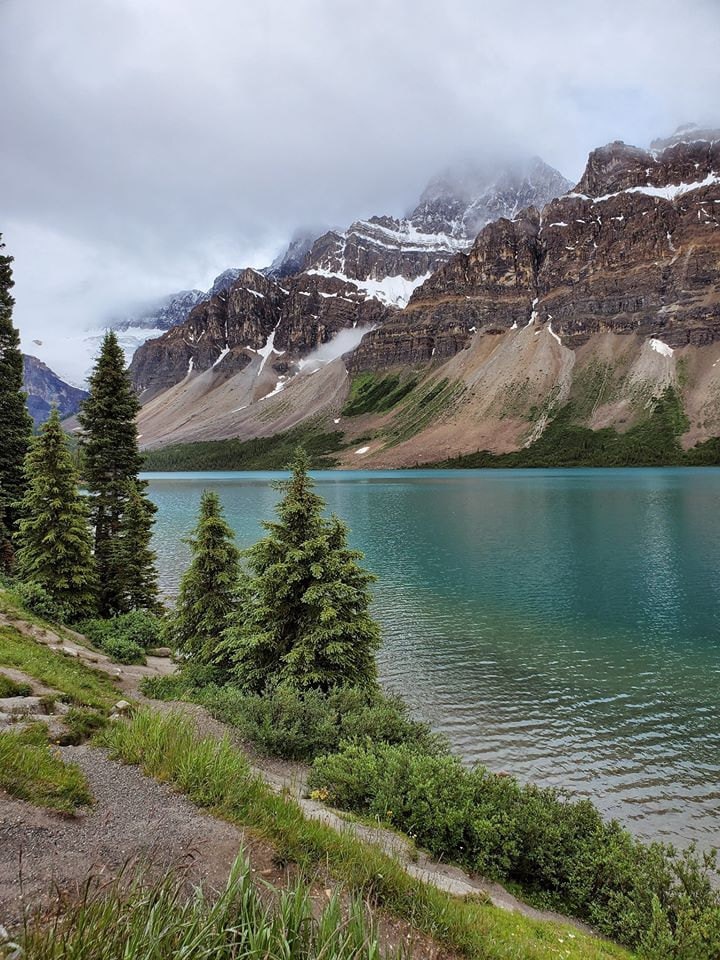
146, 145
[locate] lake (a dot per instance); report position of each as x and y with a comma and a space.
560, 625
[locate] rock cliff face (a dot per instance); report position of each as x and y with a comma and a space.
44, 388
341, 281
634, 248
281, 322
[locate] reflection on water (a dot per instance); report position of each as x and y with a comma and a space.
561, 625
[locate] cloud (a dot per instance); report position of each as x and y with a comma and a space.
149, 144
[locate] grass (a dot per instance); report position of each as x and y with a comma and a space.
12, 606
262, 453
216, 775
30, 770
80, 684
372, 393
426, 405
9, 688
157, 921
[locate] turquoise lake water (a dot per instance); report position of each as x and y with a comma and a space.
561, 625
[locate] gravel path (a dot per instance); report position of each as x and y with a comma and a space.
134, 818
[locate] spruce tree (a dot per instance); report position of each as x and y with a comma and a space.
54, 540
15, 421
141, 582
208, 590
307, 622
111, 463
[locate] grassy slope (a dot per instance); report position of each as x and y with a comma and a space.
31, 770
654, 441
80, 684
216, 775
263, 453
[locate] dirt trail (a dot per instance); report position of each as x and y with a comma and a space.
134, 818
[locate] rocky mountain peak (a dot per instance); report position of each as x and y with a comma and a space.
685, 159
389, 257
686, 133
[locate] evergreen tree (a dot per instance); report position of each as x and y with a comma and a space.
111, 463
208, 590
15, 421
141, 582
308, 621
54, 540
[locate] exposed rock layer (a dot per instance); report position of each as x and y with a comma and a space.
635, 247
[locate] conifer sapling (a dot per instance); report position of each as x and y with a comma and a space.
208, 590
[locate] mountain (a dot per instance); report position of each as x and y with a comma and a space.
292, 259
389, 258
594, 302
341, 281
44, 388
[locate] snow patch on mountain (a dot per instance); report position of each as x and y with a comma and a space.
392, 291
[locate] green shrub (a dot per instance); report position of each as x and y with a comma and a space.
163, 688
560, 851
9, 688
139, 627
126, 637
300, 725
188, 682
121, 650
38, 600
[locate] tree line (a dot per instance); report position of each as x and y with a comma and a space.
90, 553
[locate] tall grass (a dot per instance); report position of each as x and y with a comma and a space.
216, 775
31, 770
159, 921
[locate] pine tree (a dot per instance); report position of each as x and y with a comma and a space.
308, 620
141, 581
111, 463
54, 540
15, 421
208, 590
